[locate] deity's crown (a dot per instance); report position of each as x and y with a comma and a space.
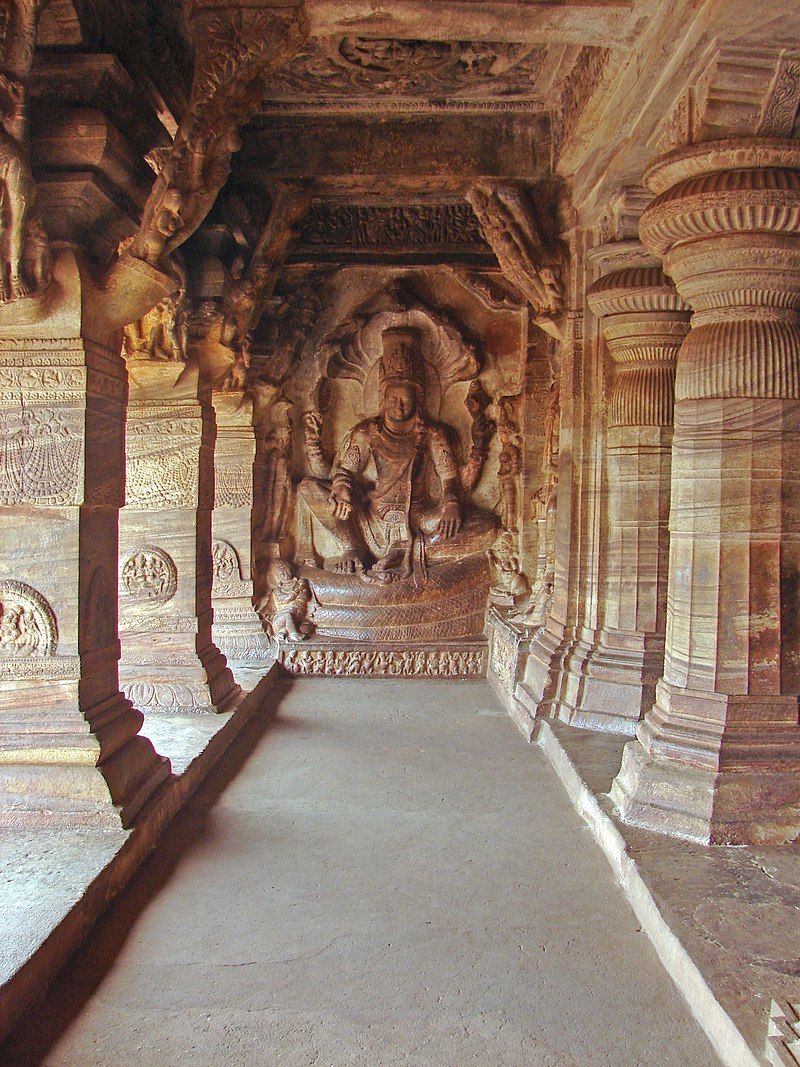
402, 357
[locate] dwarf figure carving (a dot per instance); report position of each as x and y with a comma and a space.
285, 607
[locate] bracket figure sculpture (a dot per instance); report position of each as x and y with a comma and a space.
25, 267
383, 527
522, 252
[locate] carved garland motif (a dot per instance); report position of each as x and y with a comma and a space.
149, 575
41, 453
27, 623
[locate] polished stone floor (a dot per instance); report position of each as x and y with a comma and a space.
384, 874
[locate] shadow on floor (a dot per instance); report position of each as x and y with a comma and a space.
49, 1016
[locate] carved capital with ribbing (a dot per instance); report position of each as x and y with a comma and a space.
726, 222
644, 322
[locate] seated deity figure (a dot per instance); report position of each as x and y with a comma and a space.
386, 526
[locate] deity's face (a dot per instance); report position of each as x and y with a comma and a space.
399, 401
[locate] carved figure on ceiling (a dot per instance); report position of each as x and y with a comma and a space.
379, 524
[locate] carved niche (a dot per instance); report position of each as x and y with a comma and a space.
384, 532
27, 623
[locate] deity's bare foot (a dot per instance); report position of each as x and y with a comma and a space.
349, 563
391, 567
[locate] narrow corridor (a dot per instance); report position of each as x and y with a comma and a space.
386, 874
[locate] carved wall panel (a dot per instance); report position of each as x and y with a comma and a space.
385, 663
162, 471
228, 580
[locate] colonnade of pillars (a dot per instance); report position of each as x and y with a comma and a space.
691, 640
116, 555
694, 641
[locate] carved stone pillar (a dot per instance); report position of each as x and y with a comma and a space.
237, 631
718, 756
611, 678
69, 751
169, 662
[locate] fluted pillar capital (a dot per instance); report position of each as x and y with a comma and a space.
644, 321
726, 221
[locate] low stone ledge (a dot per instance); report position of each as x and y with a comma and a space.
721, 919
57, 882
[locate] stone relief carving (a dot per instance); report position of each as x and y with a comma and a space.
159, 335
578, 89
508, 428
400, 226
481, 433
25, 267
511, 229
149, 575
358, 66
173, 697
286, 607
535, 611
386, 528
385, 663
780, 110
273, 426
227, 578
163, 473
41, 455
27, 623
508, 584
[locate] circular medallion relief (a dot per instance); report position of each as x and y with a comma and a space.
149, 575
27, 623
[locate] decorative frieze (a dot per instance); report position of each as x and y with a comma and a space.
384, 663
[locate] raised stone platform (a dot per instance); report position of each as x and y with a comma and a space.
399, 659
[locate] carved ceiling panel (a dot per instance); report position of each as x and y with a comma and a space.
362, 71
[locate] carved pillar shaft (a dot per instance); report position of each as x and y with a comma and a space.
63, 719
169, 662
643, 321
237, 631
718, 756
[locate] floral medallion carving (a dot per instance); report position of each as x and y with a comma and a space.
149, 575
27, 623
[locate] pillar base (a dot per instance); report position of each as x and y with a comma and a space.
714, 769
181, 682
66, 775
609, 684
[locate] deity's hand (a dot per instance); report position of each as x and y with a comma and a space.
450, 522
340, 504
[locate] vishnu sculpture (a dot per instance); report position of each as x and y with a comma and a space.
412, 512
